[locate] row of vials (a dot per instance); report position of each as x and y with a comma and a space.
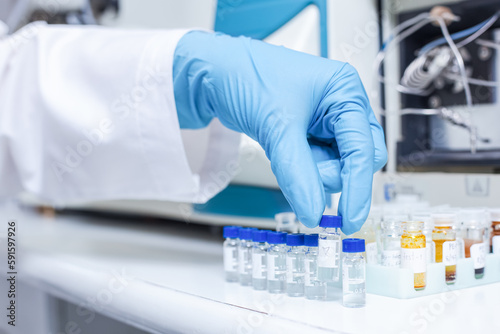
433, 238
297, 264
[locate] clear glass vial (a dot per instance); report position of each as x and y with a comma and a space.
367, 232
259, 259
475, 248
245, 256
230, 253
353, 273
314, 288
286, 222
295, 269
276, 262
413, 254
445, 241
460, 231
391, 242
329, 248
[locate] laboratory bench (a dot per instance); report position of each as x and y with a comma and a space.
135, 275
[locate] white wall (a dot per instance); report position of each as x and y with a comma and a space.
164, 14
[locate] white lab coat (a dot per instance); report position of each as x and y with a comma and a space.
88, 113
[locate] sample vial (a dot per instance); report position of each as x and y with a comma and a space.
230, 253
474, 224
276, 262
391, 242
430, 248
259, 260
444, 238
295, 269
329, 248
286, 222
353, 273
314, 288
367, 233
413, 252
495, 231
461, 232
245, 256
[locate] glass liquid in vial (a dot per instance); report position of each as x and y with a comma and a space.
230, 253
474, 223
329, 248
295, 270
353, 273
314, 288
259, 260
245, 256
391, 241
276, 262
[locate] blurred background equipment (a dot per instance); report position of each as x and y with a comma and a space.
430, 68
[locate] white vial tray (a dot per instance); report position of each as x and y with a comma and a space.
398, 283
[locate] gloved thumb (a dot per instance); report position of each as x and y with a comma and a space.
297, 174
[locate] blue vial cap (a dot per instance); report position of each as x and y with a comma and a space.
353, 245
311, 240
246, 233
259, 235
231, 231
295, 239
276, 237
331, 221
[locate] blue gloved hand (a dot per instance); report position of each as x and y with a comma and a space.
310, 114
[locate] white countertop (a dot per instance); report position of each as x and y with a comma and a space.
169, 278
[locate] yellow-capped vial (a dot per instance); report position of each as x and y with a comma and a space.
445, 242
413, 254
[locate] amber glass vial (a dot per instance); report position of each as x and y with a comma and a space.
413, 253
444, 238
495, 231
475, 222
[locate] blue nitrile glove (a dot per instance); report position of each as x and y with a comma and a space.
310, 114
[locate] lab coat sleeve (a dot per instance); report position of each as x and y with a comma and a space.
88, 113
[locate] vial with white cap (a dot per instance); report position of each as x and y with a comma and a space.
329, 248
295, 270
245, 256
314, 288
286, 222
259, 259
474, 223
276, 262
353, 273
230, 252
391, 241
444, 238
495, 231
425, 217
